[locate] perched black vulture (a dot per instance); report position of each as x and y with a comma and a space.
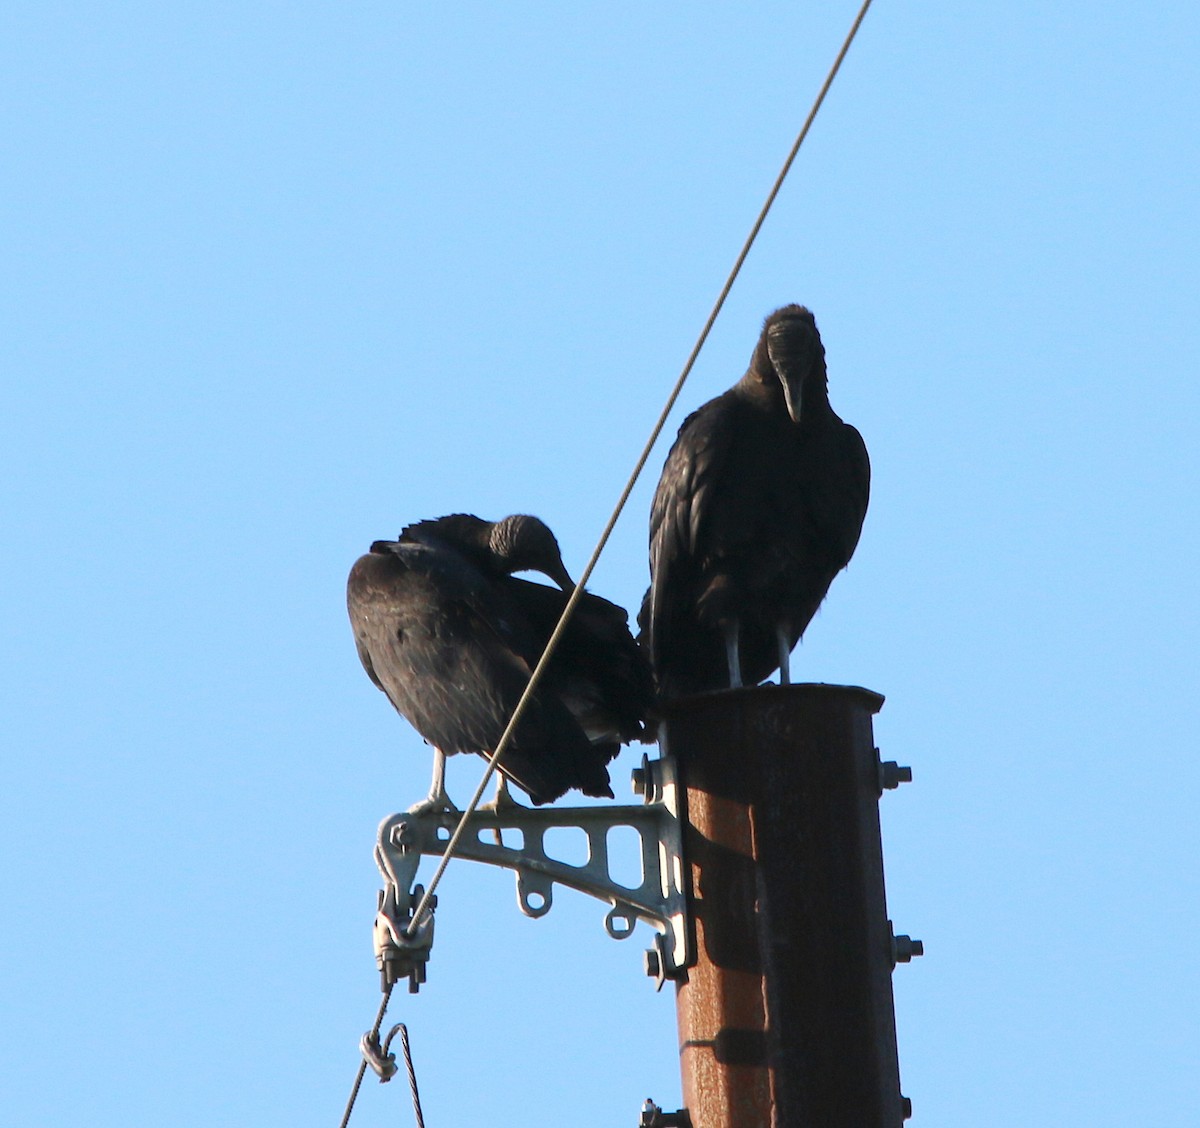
760, 505
442, 629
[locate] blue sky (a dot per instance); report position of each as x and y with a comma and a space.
282, 278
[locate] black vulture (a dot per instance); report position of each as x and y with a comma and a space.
442, 630
760, 505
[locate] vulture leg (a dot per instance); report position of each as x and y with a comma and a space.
437, 799
503, 801
785, 653
732, 655
503, 795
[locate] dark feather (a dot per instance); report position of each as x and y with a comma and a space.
597, 668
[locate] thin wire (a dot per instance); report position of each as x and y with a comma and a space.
412, 1074
576, 595
362, 1065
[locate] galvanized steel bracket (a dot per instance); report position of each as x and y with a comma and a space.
659, 899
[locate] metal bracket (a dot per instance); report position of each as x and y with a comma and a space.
659, 898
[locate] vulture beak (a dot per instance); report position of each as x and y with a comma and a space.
791, 393
558, 573
793, 356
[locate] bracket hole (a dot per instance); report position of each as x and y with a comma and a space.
567, 844
535, 894
443, 834
507, 836
625, 857
620, 921
534, 903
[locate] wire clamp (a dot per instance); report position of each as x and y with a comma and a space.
402, 944
378, 1057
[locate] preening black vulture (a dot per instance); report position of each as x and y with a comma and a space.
451, 638
760, 505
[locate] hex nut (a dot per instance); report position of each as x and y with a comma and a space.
905, 948
892, 775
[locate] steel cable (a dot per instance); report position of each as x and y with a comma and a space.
576, 595
362, 1065
408, 1064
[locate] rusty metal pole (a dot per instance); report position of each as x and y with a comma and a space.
787, 1018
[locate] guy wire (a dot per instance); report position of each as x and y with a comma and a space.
576, 595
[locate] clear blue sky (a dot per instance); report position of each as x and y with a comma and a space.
280, 278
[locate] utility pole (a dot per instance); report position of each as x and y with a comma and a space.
786, 1020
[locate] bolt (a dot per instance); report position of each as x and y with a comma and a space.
906, 1107
402, 835
892, 775
639, 781
418, 892
905, 948
652, 962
